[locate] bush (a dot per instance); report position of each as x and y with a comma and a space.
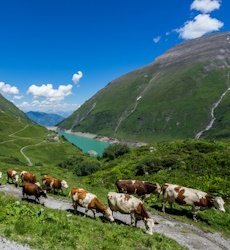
87, 167
115, 150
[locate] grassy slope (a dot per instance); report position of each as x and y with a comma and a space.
51, 229
198, 164
47, 152
11, 109
177, 105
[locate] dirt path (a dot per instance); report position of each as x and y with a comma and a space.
6, 244
25, 156
185, 234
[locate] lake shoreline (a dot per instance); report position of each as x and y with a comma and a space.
99, 138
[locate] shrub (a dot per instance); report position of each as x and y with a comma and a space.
87, 167
115, 150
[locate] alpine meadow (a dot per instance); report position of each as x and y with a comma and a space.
115, 125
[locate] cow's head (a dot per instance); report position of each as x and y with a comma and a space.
109, 214
22, 173
15, 178
218, 203
149, 224
64, 184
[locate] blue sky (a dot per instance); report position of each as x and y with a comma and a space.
46, 42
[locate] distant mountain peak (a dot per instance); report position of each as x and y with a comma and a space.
44, 119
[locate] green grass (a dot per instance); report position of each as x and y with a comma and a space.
45, 228
202, 165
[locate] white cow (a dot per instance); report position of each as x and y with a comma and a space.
191, 197
128, 204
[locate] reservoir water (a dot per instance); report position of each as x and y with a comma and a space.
86, 144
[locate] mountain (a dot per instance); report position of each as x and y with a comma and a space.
44, 119
171, 98
11, 109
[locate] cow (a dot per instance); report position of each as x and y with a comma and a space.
28, 177
13, 175
141, 188
0, 178
53, 183
30, 189
89, 201
191, 197
128, 204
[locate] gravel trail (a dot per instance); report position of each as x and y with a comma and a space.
185, 234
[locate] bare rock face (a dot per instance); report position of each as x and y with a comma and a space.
213, 48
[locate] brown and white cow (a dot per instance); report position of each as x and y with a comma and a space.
89, 201
191, 197
54, 183
31, 189
13, 175
28, 177
128, 204
141, 188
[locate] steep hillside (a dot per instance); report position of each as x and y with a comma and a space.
44, 119
10, 108
168, 99
23, 142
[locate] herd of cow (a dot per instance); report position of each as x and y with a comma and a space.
122, 201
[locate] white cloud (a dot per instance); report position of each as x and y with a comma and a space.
77, 76
49, 107
8, 89
18, 97
156, 39
206, 6
199, 26
47, 91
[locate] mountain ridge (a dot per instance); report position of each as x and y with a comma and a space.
44, 119
170, 98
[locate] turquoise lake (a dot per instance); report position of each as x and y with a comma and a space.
86, 144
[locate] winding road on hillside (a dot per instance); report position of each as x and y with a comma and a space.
13, 135
185, 234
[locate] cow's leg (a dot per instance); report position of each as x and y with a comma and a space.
171, 205
194, 212
133, 219
75, 207
94, 214
163, 205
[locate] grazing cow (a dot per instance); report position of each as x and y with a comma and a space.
33, 189
54, 183
13, 175
141, 188
128, 204
28, 177
81, 197
191, 197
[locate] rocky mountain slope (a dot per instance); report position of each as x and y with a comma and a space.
171, 98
